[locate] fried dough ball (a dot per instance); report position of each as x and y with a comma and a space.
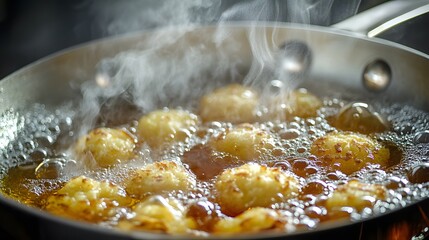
299, 103
166, 126
253, 185
357, 195
233, 103
159, 214
245, 142
252, 220
87, 199
159, 177
106, 146
349, 152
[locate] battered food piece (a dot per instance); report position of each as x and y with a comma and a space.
159, 177
253, 220
87, 199
106, 146
159, 214
253, 185
298, 103
356, 195
245, 141
163, 127
234, 103
349, 152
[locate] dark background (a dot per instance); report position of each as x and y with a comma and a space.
31, 29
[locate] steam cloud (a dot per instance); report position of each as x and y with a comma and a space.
169, 69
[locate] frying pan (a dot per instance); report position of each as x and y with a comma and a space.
339, 60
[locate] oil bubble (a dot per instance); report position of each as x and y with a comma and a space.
374, 175
289, 134
54, 129
395, 182
38, 155
301, 149
360, 117
419, 173
284, 165
315, 212
44, 141
303, 167
315, 187
421, 137
50, 168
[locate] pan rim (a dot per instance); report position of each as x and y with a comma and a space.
235, 24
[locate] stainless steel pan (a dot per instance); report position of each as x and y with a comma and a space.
339, 60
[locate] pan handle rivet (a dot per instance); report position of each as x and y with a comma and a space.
377, 76
294, 59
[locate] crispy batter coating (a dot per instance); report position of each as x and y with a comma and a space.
252, 220
106, 146
299, 103
245, 142
233, 103
159, 177
349, 152
253, 185
356, 195
87, 199
159, 214
166, 126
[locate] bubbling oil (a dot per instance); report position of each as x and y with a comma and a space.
35, 162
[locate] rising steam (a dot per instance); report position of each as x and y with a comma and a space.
170, 69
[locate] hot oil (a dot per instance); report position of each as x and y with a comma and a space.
44, 138
39, 137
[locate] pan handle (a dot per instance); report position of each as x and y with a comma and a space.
378, 19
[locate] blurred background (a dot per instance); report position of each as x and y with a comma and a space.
31, 29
